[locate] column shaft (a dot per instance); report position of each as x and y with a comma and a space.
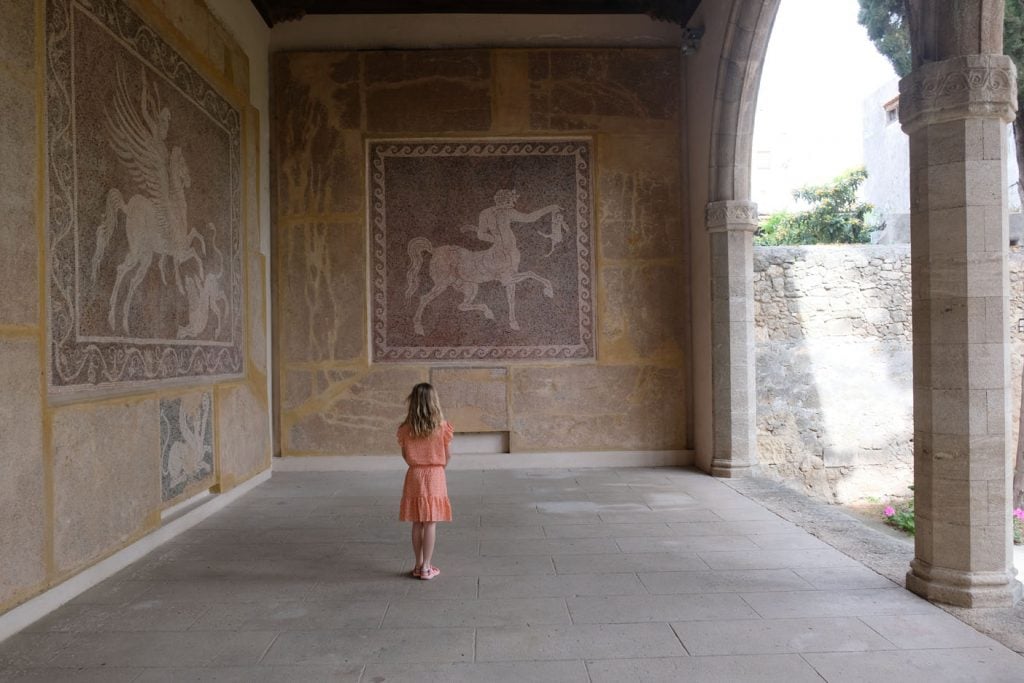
731, 225
955, 112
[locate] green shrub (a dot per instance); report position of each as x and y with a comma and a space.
835, 216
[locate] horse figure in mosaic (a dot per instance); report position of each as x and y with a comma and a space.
466, 269
156, 219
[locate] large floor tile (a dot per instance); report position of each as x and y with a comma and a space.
776, 559
686, 544
547, 546
492, 672
926, 631
624, 609
254, 674
404, 645
750, 669
165, 649
966, 665
274, 615
778, 636
99, 674
628, 562
561, 586
724, 581
851, 603
142, 615
576, 642
407, 613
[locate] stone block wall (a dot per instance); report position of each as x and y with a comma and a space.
87, 465
834, 400
834, 366
336, 396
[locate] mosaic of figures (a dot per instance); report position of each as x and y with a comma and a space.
186, 443
144, 195
481, 249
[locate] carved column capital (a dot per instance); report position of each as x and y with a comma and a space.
731, 215
959, 88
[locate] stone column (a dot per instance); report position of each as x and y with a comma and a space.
731, 225
955, 112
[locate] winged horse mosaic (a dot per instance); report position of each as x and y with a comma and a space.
156, 218
466, 269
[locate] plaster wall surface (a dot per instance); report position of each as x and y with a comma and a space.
84, 470
625, 103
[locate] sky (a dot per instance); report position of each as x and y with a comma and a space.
819, 68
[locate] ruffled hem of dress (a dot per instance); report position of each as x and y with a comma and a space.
426, 509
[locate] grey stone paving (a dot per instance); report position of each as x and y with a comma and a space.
547, 575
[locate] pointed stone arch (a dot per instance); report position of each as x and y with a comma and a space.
955, 106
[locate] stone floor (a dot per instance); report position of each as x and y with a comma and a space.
547, 575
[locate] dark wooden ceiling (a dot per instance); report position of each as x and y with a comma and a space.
675, 11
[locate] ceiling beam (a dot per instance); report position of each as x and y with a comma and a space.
675, 11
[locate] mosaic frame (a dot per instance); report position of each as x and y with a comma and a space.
81, 362
581, 227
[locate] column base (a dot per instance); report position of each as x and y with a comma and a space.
962, 588
727, 469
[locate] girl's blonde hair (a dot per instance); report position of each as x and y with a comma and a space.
425, 414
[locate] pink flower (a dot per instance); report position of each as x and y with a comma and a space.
889, 511
1019, 514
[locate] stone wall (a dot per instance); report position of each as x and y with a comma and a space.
834, 366
834, 401
623, 387
108, 420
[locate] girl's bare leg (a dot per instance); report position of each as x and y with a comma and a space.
429, 536
417, 543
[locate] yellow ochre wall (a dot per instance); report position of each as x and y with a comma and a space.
80, 477
333, 399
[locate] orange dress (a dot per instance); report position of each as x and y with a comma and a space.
425, 494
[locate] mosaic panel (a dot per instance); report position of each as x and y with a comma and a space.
482, 249
144, 200
186, 443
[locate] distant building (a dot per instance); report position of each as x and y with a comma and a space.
887, 159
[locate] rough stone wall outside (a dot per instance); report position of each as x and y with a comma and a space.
334, 399
834, 370
834, 367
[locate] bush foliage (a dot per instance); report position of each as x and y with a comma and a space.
836, 215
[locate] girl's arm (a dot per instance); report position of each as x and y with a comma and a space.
401, 445
449, 432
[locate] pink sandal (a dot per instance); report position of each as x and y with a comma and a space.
415, 573
429, 573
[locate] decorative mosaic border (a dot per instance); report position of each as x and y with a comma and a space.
378, 151
74, 364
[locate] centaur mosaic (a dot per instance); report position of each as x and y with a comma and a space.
144, 206
482, 249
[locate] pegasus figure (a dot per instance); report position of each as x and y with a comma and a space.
156, 217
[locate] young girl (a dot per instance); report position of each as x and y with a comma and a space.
424, 438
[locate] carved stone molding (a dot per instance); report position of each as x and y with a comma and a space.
960, 88
731, 215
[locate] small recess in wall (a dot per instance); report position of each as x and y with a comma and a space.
481, 443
